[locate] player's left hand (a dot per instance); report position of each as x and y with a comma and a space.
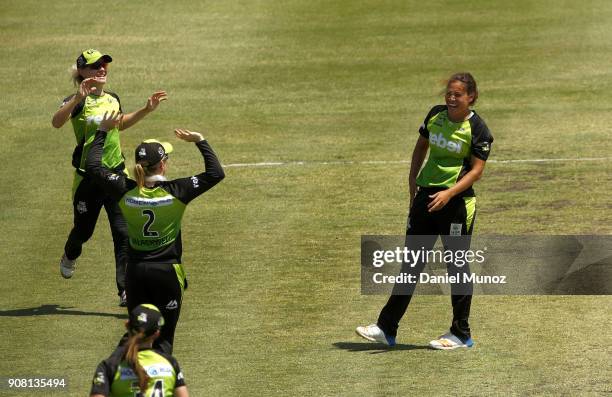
110, 120
155, 99
188, 136
439, 200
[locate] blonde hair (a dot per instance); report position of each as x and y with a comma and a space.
131, 356
75, 76
141, 172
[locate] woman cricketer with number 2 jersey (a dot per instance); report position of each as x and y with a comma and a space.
153, 208
85, 109
442, 203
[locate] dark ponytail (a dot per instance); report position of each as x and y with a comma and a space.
131, 355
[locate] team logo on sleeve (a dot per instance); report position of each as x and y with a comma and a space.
195, 181
81, 207
485, 146
99, 379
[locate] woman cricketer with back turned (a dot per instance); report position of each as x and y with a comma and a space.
153, 208
442, 203
135, 369
85, 109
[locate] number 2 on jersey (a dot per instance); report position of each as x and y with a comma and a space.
145, 229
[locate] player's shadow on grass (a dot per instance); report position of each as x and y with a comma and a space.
47, 310
376, 348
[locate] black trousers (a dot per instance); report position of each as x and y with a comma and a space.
88, 200
162, 285
456, 217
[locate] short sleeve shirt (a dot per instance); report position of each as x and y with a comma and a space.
451, 146
86, 118
114, 377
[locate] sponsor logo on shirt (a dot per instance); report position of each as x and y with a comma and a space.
126, 373
94, 119
159, 370
443, 143
172, 305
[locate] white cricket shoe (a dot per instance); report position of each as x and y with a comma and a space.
67, 266
448, 341
374, 334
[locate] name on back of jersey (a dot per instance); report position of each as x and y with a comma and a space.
134, 201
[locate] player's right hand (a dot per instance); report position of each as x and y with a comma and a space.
86, 87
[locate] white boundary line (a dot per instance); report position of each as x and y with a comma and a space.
377, 162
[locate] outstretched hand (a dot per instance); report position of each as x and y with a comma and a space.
110, 121
188, 136
155, 99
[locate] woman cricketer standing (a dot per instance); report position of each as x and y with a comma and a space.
135, 368
442, 202
85, 109
153, 208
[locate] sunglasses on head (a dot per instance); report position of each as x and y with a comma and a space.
97, 65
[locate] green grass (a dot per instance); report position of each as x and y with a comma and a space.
272, 253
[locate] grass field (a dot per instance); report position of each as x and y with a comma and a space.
272, 253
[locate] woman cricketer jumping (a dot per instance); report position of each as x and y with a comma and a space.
442, 203
85, 109
153, 208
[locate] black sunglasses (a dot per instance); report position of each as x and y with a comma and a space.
97, 65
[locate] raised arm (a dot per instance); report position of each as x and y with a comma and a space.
116, 185
63, 113
128, 120
186, 189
